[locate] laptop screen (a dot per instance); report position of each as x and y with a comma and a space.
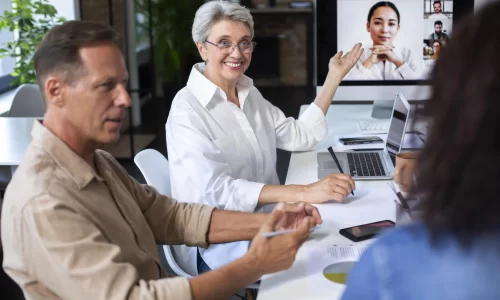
397, 128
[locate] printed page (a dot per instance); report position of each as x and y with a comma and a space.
345, 253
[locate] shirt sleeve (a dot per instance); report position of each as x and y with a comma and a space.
362, 282
173, 222
73, 259
411, 69
208, 169
299, 134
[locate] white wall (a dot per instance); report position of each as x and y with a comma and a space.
66, 8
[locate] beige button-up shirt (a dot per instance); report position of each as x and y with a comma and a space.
71, 233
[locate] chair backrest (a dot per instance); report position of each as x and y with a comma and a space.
154, 168
28, 102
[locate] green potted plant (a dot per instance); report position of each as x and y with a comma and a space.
174, 49
29, 20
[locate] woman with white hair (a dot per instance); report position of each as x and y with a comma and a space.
222, 134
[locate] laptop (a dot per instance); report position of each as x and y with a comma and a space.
370, 165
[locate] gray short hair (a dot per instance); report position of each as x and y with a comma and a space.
211, 12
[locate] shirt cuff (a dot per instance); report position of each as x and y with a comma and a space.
314, 118
172, 288
404, 69
200, 227
246, 196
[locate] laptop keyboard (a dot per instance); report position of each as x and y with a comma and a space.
365, 164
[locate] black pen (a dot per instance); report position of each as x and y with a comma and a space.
330, 149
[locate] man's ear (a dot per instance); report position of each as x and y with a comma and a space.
53, 91
202, 50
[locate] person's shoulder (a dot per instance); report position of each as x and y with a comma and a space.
405, 235
36, 175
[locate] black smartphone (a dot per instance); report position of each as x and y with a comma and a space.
366, 231
361, 140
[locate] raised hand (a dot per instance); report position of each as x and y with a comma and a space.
341, 64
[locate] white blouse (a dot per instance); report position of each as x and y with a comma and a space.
222, 155
410, 70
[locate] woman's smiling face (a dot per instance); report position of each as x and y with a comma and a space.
227, 66
383, 26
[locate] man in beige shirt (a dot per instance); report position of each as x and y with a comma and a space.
75, 225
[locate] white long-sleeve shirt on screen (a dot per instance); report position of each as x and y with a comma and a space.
410, 70
223, 155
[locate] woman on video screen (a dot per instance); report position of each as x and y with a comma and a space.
383, 60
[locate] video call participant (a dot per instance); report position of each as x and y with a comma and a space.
383, 60
436, 47
438, 33
437, 14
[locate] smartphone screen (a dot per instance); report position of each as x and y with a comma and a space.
366, 231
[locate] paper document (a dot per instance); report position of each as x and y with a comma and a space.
349, 253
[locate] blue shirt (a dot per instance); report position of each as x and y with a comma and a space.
403, 264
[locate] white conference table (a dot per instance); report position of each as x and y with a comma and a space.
15, 136
372, 201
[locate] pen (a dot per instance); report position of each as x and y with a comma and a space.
400, 196
281, 232
330, 149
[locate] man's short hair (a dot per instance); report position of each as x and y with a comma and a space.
437, 1
438, 23
59, 49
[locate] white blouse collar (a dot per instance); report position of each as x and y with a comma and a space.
204, 90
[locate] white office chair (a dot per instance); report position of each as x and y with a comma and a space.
28, 102
154, 168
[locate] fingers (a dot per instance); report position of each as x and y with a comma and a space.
338, 55
302, 232
314, 213
272, 220
356, 51
345, 178
290, 207
382, 47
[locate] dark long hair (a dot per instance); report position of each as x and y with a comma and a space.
458, 171
383, 4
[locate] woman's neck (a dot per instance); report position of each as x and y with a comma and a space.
229, 87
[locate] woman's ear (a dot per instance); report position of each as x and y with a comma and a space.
368, 26
202, 50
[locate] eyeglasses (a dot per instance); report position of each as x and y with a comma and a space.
227, 47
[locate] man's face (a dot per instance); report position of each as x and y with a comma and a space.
95, 103
437, 8
438, 28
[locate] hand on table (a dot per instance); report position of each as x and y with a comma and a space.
332, 187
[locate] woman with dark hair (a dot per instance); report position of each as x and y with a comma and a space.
453, 252
383, 60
